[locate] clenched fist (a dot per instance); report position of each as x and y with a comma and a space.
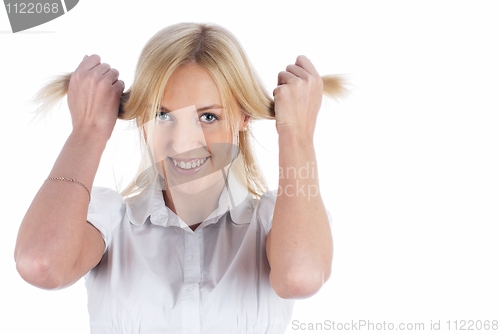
298, 98
94, 97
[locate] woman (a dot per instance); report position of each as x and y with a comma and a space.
197, 245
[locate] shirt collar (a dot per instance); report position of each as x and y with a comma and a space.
149, 204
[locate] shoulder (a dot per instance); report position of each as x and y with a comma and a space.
106, 201
105, 196
264, 209
258, 210
106, 211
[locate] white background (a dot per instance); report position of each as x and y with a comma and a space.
409, 162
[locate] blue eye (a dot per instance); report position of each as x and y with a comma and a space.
163, 116
209, 117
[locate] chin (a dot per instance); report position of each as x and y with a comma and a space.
207, 184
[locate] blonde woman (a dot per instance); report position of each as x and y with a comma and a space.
196, 244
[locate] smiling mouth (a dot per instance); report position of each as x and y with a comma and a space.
190, 164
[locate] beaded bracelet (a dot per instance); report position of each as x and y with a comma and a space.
71, 180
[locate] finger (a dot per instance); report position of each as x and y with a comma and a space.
112, 75
277, 90
102, 68
284, 77
89, 62
297, 71
305, 63
119, 84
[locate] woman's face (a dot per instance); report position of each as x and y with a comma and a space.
192, 139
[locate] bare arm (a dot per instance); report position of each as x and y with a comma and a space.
55, 244
299, 245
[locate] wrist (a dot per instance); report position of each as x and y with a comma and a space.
93, 138
290, 139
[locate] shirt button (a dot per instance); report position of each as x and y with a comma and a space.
189, 288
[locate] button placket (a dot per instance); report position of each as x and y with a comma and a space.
190, 293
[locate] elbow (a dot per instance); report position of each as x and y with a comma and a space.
298, 284
38, 271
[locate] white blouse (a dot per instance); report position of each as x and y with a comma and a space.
159, 276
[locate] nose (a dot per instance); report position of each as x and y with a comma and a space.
187, 135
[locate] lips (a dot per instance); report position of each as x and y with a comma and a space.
197, 163
189, 164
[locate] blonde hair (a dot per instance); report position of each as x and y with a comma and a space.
215, 49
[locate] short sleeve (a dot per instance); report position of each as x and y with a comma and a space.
106, 211
265, 210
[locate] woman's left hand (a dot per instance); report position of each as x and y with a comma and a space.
298, 99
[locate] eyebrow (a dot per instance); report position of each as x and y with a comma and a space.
210, 107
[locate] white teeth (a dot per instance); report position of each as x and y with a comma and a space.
190, 164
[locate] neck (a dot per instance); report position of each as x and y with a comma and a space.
193, 208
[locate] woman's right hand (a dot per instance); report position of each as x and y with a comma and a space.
94, 97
